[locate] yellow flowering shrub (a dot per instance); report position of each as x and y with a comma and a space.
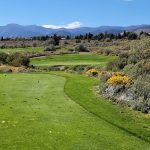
119, 78
119, 74
92, 72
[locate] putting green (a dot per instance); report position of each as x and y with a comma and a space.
72, 59
35, 113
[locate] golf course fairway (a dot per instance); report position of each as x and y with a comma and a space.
59, 111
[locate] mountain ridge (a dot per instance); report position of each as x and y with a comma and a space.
15, 30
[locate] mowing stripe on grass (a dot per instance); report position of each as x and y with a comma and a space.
79, 89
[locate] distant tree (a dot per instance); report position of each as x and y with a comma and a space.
85, 36
89, 36
81, 37
34, 38
2, 39
132, 36
141, 33
144, 33
119, 36
68, 37
111, 36
124, 34
99, 36
56, 39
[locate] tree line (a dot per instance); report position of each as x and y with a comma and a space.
111, 36
87, 36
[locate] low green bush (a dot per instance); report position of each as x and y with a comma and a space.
81, 48
50, 48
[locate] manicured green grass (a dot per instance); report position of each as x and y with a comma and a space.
27, 49
73, 59
35, 113
131, 122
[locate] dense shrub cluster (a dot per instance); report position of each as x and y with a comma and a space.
81, 48
136, 64
14, 59
37, 41
50, 48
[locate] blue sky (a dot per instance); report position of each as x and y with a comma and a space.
75, 13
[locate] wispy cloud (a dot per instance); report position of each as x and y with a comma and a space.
72, 25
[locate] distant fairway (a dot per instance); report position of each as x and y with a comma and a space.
26, 49
72, 59
37, 114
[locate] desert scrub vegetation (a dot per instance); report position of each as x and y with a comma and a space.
119, 78
9, 69
81, 48
14, 59
50, 48
136, 64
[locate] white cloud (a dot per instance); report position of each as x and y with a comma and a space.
72, 25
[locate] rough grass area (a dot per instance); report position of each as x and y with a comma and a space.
37, 114
27, 49
72, 59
